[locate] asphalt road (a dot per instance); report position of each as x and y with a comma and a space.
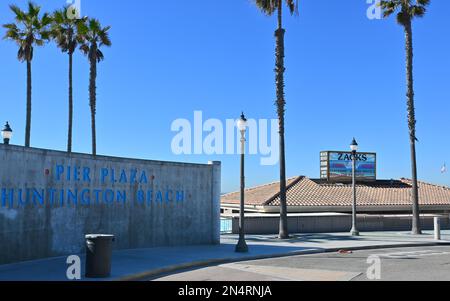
398, 264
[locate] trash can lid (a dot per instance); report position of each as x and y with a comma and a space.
99, 236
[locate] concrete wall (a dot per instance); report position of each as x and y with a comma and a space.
332, 222
49, 200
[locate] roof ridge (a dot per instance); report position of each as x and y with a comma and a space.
296, 180
261, 186
435, 185
426, 183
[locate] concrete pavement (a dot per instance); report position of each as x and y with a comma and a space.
145, 263
256, 271
427, 263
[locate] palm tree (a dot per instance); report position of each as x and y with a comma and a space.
29, 30
406, 12
269, 7
95, 36
65, 33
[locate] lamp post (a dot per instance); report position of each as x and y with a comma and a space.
6, 133
354, 149
241, 246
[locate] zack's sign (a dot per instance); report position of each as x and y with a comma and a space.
338, 166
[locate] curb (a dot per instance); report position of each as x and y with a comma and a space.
203, 263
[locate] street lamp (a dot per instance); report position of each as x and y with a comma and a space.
6, 133
354, 149
241, 246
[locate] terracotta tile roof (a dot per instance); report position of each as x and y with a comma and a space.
257, 195
303, 191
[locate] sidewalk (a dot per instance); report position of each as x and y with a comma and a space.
144, 263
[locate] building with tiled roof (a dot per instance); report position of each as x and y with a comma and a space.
306, 195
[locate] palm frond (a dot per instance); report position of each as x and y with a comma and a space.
84, 48
269, 7
31, 8
21, 54
418, 11
12, 33
28, 30
46, 20
423, 2
104, 37
19, 14
293, 6
405, 10
64, 31
58, 16
94, 25
92, 37
99, 55
389, 7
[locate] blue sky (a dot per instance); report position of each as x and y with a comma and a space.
345, 77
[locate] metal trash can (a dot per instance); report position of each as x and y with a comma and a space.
98, 255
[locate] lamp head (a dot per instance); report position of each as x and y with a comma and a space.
7, 133
242, 123
354, 145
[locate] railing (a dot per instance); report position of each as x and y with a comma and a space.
226, 225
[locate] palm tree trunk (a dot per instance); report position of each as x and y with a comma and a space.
92, 102
69, 134
416, 228
28, 118
280, 103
